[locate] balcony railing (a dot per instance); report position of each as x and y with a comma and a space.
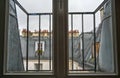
82, 50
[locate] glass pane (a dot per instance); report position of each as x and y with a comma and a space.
83, 6
75, 29
37, 6
90, 37
29, 42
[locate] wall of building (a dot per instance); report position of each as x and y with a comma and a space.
46, 65
46, 54
14, 54
32, 47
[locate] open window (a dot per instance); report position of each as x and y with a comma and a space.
91, 42
49, 38
29, 37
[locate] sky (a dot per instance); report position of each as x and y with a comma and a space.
43, 6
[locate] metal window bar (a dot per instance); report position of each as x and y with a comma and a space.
83, 56
83, 42
27, 48
50, 41
40, 70
82, 70
39, 39
72, 40
95, 61
83, 49
21, 7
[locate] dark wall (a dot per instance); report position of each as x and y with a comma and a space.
117, 13
2, 27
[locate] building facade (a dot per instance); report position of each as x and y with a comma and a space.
42, 43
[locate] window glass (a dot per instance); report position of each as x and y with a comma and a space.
90, 37
30, 36
29, 43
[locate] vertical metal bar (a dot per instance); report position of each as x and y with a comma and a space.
27, 48
39, 46
72, 40
94, 44
83, 41
50, 41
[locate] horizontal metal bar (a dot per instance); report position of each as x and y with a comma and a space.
39, 70
68, 13
81, 13
83, 70
21, 7
100, 6
40, 13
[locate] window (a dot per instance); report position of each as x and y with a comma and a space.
63, 51
93, 31
39, 47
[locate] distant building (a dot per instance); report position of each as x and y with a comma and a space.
44, 47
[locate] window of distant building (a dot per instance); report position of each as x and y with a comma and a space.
39, 47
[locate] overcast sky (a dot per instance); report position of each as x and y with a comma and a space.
43, 6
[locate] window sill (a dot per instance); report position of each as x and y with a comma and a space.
46, 73
93, 74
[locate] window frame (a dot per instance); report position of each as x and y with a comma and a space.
58, 70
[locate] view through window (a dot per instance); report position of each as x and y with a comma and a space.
30, 43
90, 36
30, 36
